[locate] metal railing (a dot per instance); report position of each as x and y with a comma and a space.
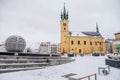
88, 77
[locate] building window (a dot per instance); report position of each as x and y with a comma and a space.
90, 43
78, 42
64, 24
100, 43
79, 50
64, 28
84, 42
72, 42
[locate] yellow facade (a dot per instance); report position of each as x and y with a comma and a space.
78, 44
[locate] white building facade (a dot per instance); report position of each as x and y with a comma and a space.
48, 48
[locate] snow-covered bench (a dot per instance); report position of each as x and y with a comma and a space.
69, 75
105, 69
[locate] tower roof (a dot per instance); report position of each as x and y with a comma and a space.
92, 34
97, 29
87, 33
64, 14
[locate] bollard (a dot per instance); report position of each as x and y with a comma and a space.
95, 76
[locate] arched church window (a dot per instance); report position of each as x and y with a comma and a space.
72, 42
78, 42
90, 43
84, 42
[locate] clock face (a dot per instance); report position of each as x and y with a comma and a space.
64, 24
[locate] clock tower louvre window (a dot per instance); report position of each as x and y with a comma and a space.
64, 24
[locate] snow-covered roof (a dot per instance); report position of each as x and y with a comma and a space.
109, 40
118, 42
79, 33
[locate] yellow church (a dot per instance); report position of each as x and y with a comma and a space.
79, 42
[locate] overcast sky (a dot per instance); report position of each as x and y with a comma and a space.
39, 20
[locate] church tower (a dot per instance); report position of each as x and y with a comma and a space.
64, 29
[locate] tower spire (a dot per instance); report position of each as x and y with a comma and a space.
64, 10
61, 15
97, 29
67, 14
64, 14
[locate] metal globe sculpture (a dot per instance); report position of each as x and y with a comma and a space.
15, 43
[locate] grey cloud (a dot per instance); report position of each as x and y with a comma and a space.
39, 20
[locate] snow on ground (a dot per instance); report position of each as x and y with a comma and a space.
82, 66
